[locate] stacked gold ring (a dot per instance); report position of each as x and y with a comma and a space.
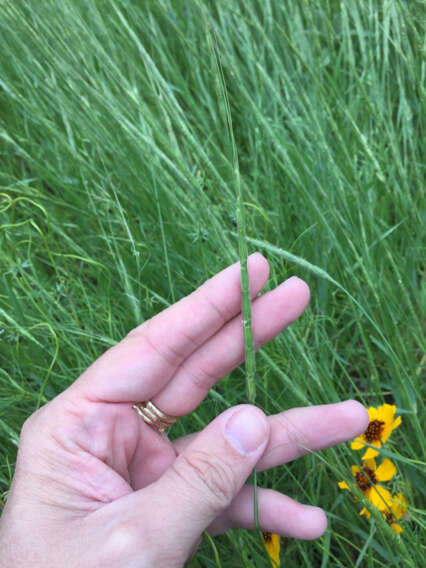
154, 416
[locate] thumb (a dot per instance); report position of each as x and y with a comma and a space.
205, 478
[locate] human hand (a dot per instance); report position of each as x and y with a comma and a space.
95, 486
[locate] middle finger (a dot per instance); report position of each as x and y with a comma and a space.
271, 313
298, 431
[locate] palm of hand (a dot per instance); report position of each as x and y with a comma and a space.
99, 453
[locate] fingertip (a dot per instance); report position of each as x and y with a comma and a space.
258, 269
356, 416
314, 523
257, 255
305, 522
300, 286
293, 295
258, 262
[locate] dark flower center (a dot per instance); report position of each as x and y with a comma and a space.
267, 536
374, 431
365, 478
389, 518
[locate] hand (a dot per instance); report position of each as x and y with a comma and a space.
95, 486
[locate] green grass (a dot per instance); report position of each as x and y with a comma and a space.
118, 197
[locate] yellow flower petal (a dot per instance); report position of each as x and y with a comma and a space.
387, 431
379, 497
399, 505
396, 422
371, 452
358, 443
386, 470
386, 413
355, 469
370, 463
372, 413
396, 528
272, 545
343, 485
365, 512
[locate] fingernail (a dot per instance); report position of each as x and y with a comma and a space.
247, 430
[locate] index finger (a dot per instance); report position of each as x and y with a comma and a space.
146, 359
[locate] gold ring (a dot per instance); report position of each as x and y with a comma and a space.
154, 416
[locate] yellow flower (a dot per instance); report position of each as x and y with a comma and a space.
272, 545
365, 512
367, 477
381, 424
397, 509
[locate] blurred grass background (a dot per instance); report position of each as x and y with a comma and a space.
117, 199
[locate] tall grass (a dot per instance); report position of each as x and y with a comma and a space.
117, 197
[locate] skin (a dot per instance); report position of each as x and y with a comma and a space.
95, 485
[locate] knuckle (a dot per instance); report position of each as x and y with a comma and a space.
215, 477
128, 543
30, 425
120, 543
221, 313
27, 427
149, 347
124, 537
200, 378
37, 425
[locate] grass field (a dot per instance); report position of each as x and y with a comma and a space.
118, 197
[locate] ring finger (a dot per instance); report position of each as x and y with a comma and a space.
277, 513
